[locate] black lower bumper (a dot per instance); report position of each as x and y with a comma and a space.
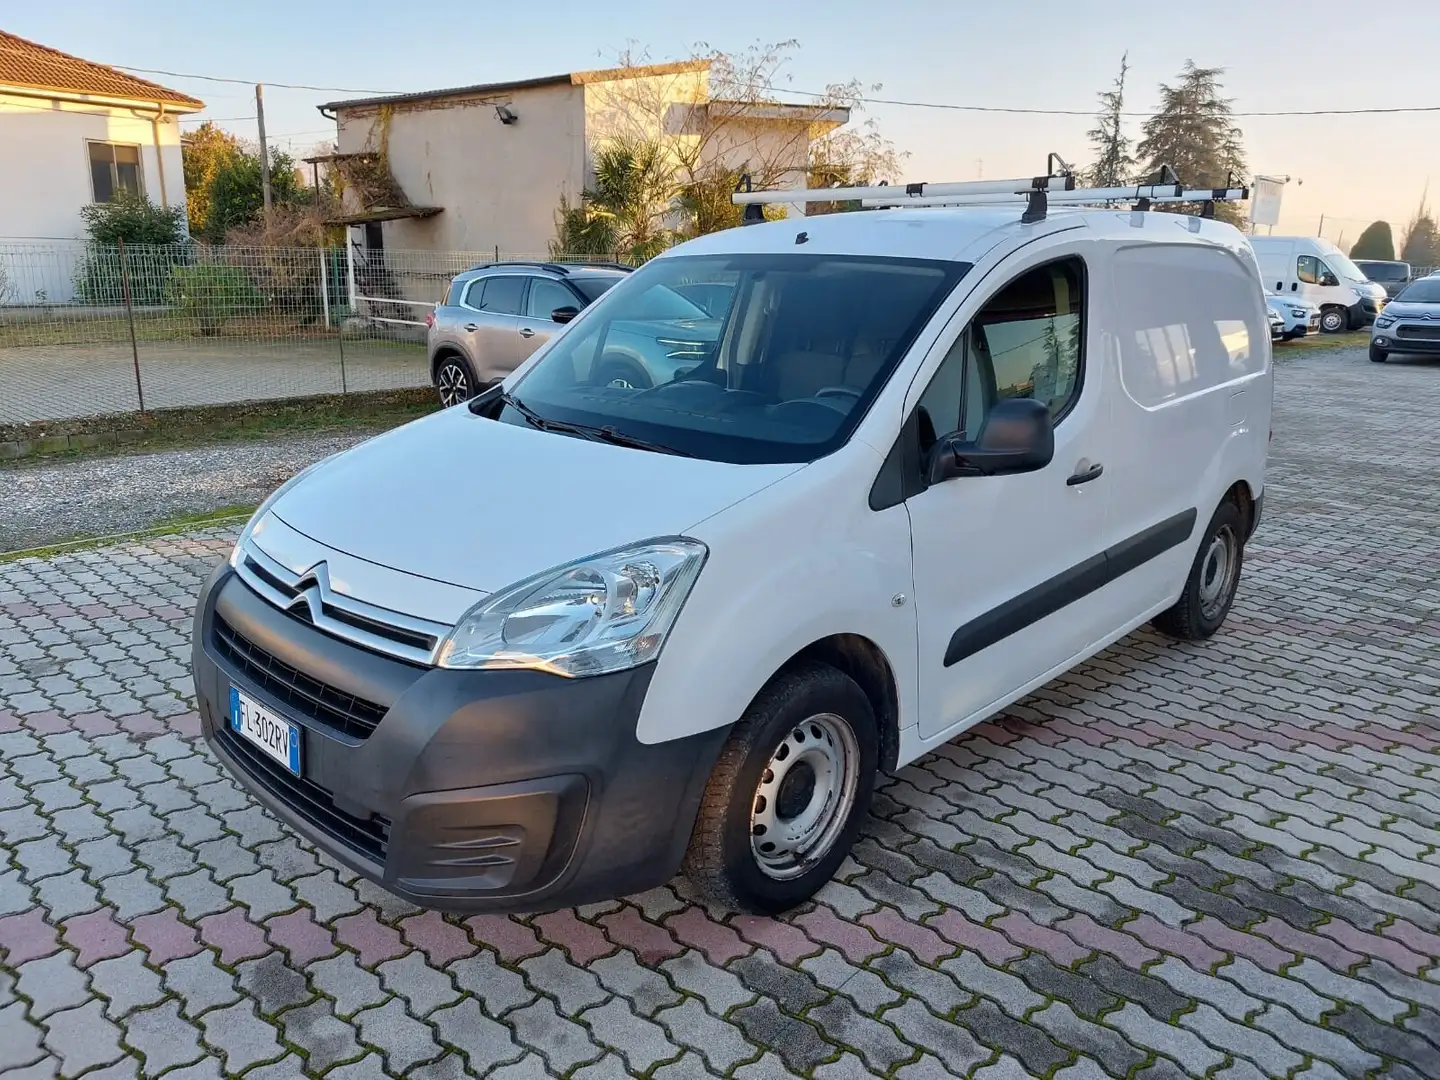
475, 791
1420, 346
1363, 313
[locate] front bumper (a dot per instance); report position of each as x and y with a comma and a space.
1392, 339
1363, 312
475, 791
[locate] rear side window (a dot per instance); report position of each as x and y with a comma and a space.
1188, 319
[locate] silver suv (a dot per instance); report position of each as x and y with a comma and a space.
495, 316
1410, 323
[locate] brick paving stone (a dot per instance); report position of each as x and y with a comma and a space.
242, 1037
52, 984
1326, 982
571, 986
343, 979
798, 1044
1140, 1027
440, 941
423, 987
272, 983
720, 943
164, 937
234, 936
164, 1037
371, 939
66, 895
499, 989
649, 942
485, 1043
323, 1039
641, 1042
924, 943
405, 1041
951, 1042
95, 937
131, 894
26, 937
1103, 1044
1252, 1045
20, 1040
512, 940
937, 990
862, 986
647, 990
686, 1067
370, 1067
793, 990
1229, 998
1011, 992
126, 984
82, 1039
874, 1041
301, 937
991, 944
1319, 1042
719, 988
564, 1043
787, 941
1032, 1046
720, 1044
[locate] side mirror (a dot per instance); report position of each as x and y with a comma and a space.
1329, 279
1018, 436
564, 314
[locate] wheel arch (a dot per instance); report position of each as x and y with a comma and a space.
1243, 497
443, 353
862, 660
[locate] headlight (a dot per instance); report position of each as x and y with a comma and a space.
265, 506
606, 613
1298, 312
1385, 320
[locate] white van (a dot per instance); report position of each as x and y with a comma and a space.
1313, 269
555, 644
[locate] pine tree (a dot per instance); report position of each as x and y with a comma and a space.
1113, 160
1422, 238
1376, 242
1195, 134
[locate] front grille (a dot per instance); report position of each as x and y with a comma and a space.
307, 697
370, 838
1429, 333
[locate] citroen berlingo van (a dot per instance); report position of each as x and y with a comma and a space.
564, 640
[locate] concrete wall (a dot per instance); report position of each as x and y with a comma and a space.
46, 182
499, 184
47, 176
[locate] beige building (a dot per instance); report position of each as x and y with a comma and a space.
484, 168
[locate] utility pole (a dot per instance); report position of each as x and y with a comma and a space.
264, 149
1321, 230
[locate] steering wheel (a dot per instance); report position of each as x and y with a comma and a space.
837, 391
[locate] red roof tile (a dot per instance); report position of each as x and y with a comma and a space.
24, 63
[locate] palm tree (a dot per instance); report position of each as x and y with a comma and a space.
626, 212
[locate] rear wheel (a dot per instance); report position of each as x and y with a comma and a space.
1378, 355
454, 380
1214, 578
1334, 319
788, 793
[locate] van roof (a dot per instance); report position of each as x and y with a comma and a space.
961, 234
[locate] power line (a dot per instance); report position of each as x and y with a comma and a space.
251, 82
1015, 110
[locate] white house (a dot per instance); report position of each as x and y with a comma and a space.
74, 132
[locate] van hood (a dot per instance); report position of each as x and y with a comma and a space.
482, 504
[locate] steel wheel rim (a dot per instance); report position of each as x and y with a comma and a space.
804, 798
1218, 568
454, 386
1330, 322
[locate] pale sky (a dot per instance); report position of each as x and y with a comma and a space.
1043, 54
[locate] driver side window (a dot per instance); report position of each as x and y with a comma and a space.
1308, 270
1027, 341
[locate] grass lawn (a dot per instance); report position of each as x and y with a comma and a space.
1351, 339
234, 515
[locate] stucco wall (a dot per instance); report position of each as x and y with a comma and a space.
47, 178
499, 184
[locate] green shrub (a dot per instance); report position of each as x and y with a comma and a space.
100, 279
210, 293
133, 220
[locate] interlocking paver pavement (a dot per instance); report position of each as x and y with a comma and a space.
1218, 860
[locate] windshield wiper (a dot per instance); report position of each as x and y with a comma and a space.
586, 431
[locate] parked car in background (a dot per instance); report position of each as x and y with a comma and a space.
1410, 323
1297, 317
494, 316
1277, 326
1311, 268
1389, 275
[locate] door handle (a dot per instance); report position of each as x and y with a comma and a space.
471, 327
1092, 473
527, 332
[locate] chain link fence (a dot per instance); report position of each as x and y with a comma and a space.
90, 330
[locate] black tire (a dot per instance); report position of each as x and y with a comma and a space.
455, 380
1333, 320
1378, 355
1199, 612
797, 708
622, 369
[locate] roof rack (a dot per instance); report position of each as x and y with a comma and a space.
1057, 185
559, 268
604, 266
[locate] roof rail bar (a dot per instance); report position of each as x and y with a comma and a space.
606, 265
558, 268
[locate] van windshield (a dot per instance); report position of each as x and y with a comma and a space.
749, 358
1342, 265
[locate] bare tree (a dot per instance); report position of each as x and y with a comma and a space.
1113, 160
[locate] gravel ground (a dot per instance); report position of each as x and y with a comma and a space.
54, 500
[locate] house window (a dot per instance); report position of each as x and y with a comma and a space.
115, 171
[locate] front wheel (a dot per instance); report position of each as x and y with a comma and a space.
788, 793
455, 381
1214, 578
1334, 319
1378, 355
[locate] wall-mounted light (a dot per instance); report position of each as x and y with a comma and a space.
506, 116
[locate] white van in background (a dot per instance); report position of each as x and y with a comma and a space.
1311, 268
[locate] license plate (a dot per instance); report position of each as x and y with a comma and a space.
277, 738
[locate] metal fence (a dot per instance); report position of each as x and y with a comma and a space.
89, 330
